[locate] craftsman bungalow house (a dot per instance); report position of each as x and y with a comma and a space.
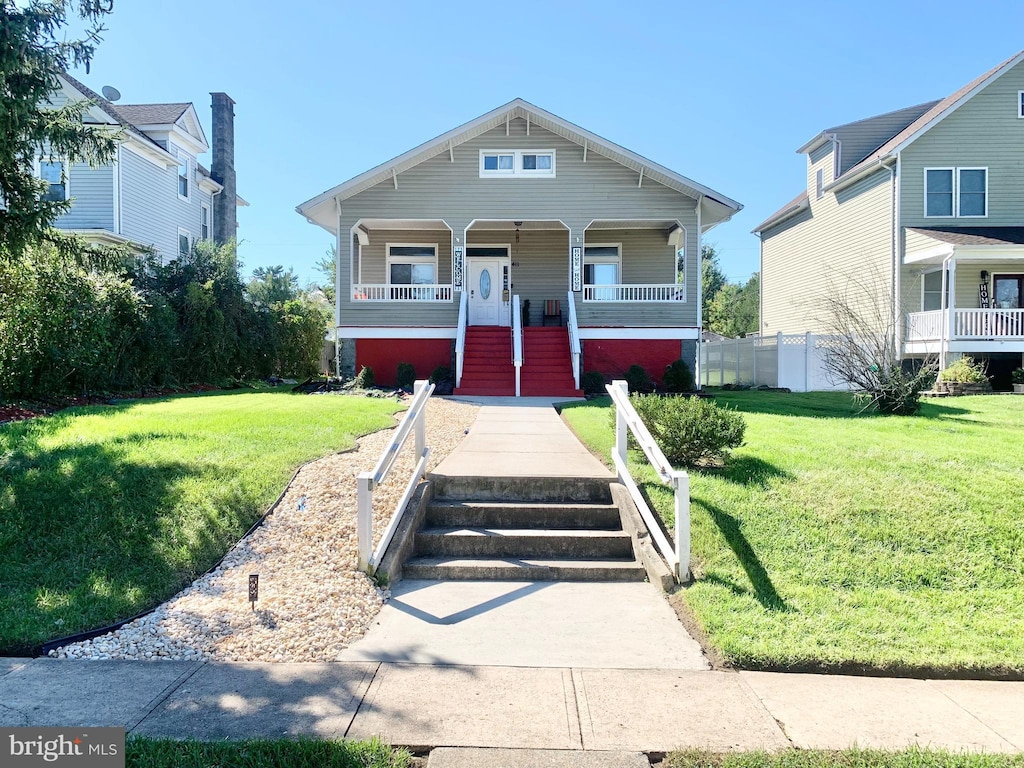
928, 203
440, 249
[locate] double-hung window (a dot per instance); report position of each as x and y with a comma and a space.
54, 173
204, 222
412, 271
517, 163
931, 293
183, 176
956, 192
184, 242
601, 267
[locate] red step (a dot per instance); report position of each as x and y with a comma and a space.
547, 366
487, 368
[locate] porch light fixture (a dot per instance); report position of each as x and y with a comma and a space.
984, 274
518, 225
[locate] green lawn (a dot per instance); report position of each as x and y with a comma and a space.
854, 758
834, 540
279, 753
106, 511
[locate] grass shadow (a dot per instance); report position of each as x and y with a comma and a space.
749, 471
732, 530
821, 405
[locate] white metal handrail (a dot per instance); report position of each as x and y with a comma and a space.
628, 420
391, 292
574, 340
414, 420
635, 292
460, 337
517, 341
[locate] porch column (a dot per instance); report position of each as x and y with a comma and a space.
951, 305
458, 254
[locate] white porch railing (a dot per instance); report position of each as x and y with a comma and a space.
967, 324
413, 421
635, 292
924, 326
460, 337
989, 324
627, 419
384, 292
574, 340
517, 341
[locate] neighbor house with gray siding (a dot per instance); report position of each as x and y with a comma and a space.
437, 247
927, 205
155, 194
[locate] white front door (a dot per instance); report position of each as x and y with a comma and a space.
485, 292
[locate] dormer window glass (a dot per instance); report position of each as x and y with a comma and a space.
1020, 103
53, 173
183, 186
819, 184
517, 163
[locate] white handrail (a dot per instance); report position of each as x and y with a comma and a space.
460, 337
414, 419
626, 420
517, 340
574, 340
396, 292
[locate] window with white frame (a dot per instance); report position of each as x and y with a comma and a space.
931, 291
54, 173
602, 265
517, 163
183, 176
1020, 103
956, 192
184, 242
204, 222
819, 184
412, 264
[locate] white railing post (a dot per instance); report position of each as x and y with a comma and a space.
421, 418
574, 339
681, 482
621, 429
364, 520
460, 337
517, 342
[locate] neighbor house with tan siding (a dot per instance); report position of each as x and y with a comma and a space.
437, 247
926, 203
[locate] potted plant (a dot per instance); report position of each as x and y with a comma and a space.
964, 377
1018, 380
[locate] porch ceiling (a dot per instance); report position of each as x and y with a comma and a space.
403, 224
509, 226
626, 224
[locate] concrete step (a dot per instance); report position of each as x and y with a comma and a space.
522, 569
450, 514
486, 391
522, 489
523, 542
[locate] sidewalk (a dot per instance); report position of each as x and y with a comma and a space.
430, 706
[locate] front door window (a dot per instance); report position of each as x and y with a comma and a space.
1007, 291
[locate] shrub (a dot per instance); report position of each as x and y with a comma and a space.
691, 431
638, 379
1017, 376
593, 383
406, 376
964, 371
364, 379
678, 377
441, 373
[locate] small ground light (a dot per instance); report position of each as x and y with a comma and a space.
254, 589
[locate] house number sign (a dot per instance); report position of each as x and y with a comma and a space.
457, 267
577, 268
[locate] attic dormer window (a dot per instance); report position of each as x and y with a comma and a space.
517, 163
819, 184
1020, 103
183, 187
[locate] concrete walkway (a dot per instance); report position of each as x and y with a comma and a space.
560, 708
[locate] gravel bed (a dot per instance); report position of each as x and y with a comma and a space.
313, 602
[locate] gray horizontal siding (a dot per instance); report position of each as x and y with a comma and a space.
598, 189
92, 194
860, 139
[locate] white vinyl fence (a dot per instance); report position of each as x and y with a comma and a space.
793, 361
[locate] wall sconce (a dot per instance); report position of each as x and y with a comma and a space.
984, 274
518, 225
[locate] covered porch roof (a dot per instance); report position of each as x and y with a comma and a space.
967, 242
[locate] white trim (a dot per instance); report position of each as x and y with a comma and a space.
394, 332
517, 171
959, 170
1020, 104
205, 208
117, 189
65, 172
685, 333
148, 151
940, 251
952, 192
389, 260
177, 244
819, 184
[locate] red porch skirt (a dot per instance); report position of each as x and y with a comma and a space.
613, 357
384, 355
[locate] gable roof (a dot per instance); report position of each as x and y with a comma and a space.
517, 108
793, 207
109, 108
974, 235
153, 114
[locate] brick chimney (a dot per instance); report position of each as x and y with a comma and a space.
225, 213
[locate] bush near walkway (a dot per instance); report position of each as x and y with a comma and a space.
108, 511
838, 540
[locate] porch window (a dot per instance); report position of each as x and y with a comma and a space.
931, 295
52, 172
601, 266
412, 265
183, 191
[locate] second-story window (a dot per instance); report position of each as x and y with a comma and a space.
517, 163
956, 192
204, 222
183, 186
819, 184
184, 242
53, 173
938, 192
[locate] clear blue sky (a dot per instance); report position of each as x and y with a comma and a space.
720, 92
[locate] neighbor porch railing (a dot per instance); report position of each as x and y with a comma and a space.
517, 341
460, 337
628, 420
574, 340
384, 292
635, 292
967, 324
414, 422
